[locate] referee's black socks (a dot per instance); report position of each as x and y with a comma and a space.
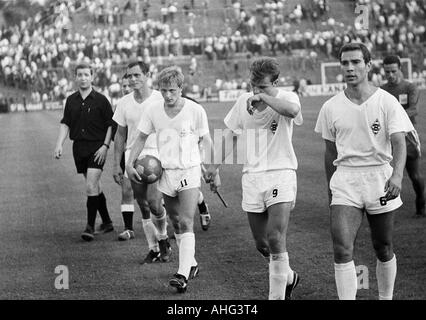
103, 210
92, 209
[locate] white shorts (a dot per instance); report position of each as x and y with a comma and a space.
173, 181
362, 188
263, 189
145, 151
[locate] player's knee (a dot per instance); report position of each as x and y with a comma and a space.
186, 225
144, 206
92, 188
127, 192
276, 241
384, 250
176, 224
155, 207
127, 197
343, 253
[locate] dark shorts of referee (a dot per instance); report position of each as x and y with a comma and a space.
84, 155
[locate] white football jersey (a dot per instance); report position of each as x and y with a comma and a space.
177, 138
128, 114
265, 138
362, 132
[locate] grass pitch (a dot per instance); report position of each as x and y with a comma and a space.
43, 212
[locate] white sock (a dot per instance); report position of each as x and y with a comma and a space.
200, 198
127, 208
386, 274
178, 237
186, 253
150, 234
290, 276
161, 225
278, 271
346, 280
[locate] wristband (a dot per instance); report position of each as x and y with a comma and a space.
106, 145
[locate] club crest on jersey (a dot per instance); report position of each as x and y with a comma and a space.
184, 132
274, 126
375, 127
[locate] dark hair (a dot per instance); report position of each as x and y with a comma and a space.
125, 76
392, 60
263, 67
353, 46
144, 67
84, 66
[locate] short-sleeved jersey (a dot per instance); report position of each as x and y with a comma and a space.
128, 114
88, 119
177, 138
265, 136
407, 94
362, 132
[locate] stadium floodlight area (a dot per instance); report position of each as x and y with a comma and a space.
330, 70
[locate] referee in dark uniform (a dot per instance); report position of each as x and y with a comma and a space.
88, 121
408, 96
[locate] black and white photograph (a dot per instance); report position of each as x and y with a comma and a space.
212, 155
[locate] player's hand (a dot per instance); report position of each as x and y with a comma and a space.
211, 176
58, 152
132, 174
100, 155
209, 173
216, 183
393, 186
118, 175
253, 103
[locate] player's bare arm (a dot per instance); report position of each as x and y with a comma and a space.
399, 154
101, 154
63, 134
282, 106
413, 99
329, 156
119, 142
137, 148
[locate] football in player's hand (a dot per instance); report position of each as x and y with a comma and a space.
149, 168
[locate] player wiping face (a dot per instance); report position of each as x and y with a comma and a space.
265, 86
265, 94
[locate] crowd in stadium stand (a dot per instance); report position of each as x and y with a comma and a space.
40, 52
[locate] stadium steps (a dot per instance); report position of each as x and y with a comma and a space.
218, 19
15, 93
